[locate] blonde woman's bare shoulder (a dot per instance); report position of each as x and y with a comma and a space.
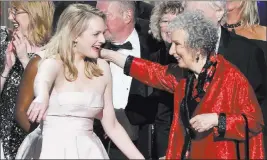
52, 62
104, 66
261, 32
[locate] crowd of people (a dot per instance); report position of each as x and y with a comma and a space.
131, 80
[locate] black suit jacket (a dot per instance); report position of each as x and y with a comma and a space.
139, 109
164, 104
249, 59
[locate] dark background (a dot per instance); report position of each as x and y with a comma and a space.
263, 12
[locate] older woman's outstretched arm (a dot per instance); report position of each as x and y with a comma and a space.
150, 73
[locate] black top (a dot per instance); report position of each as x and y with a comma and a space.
262, 45
3, 46
10, 132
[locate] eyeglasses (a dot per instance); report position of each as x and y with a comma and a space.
15, 11
164, 23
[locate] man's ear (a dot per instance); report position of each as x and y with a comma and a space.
128, 16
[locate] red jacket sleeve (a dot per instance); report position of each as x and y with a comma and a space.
232, 125
152, 74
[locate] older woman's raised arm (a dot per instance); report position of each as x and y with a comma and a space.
26, 95
149, 73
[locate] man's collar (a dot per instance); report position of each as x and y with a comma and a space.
129, 39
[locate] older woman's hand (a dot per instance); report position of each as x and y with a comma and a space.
104, 53
204, 122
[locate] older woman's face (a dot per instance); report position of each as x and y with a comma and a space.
20, 20
164, 21
179, 50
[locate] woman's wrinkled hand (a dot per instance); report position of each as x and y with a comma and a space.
37, 109
204, 122
104, 53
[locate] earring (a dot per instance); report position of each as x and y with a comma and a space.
74, 43
197, 59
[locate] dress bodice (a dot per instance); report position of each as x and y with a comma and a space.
76, 104
72, 112
67, 130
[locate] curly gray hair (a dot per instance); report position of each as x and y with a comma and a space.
161, 8
201, 33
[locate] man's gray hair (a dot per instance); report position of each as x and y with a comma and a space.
174, 7
214, 4
125, 5
220, 4
201, 33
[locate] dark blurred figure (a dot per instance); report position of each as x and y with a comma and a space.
143, 9
262, 5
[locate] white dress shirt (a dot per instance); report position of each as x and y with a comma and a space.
121, 82
219, 39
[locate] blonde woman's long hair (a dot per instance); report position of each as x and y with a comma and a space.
249, 13
41, 17
72, 23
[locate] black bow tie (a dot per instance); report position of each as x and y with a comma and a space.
115, 47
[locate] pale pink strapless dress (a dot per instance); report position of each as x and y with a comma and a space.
67, 131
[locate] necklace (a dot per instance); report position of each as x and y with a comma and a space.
232, 25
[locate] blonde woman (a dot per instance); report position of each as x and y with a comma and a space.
32, 22
243, 19
80, 85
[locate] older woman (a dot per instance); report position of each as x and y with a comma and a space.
32, 22
162, 14
210, 102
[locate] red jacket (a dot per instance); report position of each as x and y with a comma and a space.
229, 93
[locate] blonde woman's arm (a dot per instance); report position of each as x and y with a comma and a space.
46, 75
112, 127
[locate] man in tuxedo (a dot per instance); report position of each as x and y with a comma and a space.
129, 36
240, 51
